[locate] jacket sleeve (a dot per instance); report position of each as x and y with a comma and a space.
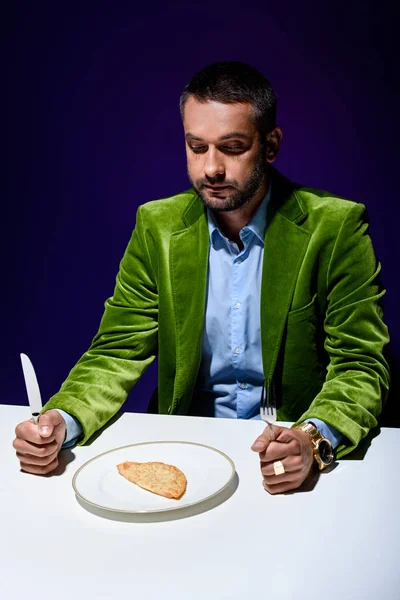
357, 378
124, 346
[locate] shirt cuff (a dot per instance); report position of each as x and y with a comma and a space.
74, 429
331, 434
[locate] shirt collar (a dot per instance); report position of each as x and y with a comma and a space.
257, 224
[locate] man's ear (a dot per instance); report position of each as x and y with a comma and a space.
273, 143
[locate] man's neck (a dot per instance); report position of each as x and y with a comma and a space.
231, 222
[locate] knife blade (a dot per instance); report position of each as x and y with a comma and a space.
32, 387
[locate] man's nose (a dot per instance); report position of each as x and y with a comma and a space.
214, 165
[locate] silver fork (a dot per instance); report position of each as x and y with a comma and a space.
268, 407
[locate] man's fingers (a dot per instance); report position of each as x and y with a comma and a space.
274, 480
263, 440
283, 486
44, 449
278, 484
48, 421
28, 431
286, 434
38, 470
28, 459
278, 450
291, 464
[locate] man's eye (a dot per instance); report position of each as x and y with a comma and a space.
234, 149
198, 149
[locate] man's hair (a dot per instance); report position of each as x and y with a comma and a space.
233, 81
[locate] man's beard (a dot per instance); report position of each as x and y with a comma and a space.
237, 196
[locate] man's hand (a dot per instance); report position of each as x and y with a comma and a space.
38, 445
293, 448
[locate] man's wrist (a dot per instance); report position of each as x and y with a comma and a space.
322, 448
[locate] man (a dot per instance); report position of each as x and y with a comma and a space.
247, 279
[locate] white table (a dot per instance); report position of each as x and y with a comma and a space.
339, 541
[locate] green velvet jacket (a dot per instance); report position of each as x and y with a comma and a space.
322, 330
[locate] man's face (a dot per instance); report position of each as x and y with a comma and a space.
226, 162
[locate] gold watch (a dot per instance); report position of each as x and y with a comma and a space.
322, 448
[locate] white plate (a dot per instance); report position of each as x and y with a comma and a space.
208, 471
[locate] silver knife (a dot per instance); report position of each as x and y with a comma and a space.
32, 387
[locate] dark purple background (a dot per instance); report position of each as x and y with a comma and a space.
94, 130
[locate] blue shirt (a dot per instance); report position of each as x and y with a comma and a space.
231, 376
231, 371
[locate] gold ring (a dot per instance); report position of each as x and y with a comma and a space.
279, 468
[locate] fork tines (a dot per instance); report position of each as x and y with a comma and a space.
268, 401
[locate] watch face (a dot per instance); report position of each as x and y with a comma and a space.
325, 451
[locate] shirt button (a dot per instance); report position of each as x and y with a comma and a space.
243, 386
237, 304
239, 260
237, 350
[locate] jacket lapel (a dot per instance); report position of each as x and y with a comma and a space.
284, 249
189, 263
